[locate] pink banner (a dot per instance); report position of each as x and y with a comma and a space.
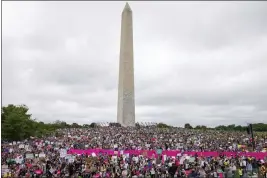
151, 153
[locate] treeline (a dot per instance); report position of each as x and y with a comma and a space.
257, 127
17, 124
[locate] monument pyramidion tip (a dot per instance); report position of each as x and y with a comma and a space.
127, 7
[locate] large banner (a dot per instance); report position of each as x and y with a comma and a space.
151, 153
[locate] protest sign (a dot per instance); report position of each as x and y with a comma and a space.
21, 146
41, 155
19, 159
71, 159
63, 153
144, 153
4, 166
29, 156
5, 171
10, 150
159, 151
191, 159
52, 171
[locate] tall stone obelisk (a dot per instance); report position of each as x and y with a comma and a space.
126, 101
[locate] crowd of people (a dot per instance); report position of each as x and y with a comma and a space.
50, 156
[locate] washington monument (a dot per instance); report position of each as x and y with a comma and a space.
126, 101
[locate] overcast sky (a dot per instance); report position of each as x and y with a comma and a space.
195, 62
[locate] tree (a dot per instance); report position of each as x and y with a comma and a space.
92, 125
162, 125
75, 125
137, 125
85, 125
188, 126
60, 124
258, 127
16, 123
114, 124
200, 127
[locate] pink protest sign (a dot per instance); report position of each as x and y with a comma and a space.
38, 171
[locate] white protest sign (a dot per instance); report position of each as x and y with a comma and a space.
127, 155
137, 158
123, 157
182, 160
191, 159
21, 146
41, 155
52, 170
63, 153
5, 171
19, 159
4, 166
71, 159
29, 156
164, 157
114, 159
68, 156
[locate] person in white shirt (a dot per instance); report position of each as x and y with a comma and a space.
124, 173
152, 172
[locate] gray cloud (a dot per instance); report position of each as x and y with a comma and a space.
197, 62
